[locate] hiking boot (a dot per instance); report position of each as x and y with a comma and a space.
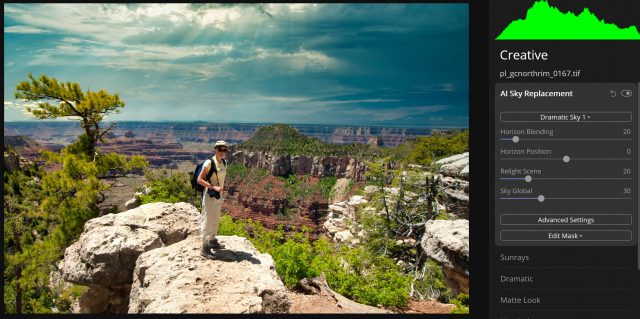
215, 244
206, 252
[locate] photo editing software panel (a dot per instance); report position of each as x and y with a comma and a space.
565, 145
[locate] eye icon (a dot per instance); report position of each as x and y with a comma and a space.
626, 93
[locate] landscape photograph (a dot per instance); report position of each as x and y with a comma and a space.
337, 135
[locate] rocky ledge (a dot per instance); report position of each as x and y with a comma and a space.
176, 279
453, 173
147, 260
447, 242
454, 166
341, 223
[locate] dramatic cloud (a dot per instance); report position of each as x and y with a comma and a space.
19, 108
404, 64
23, 29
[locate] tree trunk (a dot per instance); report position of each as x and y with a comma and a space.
429, 199
92, 142
90, 136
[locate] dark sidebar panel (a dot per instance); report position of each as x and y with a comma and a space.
565, 168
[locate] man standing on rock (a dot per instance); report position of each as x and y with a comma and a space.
212, 198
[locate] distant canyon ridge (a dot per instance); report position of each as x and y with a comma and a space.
165, 143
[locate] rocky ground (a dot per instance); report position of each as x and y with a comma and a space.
428, 306
301, 303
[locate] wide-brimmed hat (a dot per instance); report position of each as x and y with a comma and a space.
220, 143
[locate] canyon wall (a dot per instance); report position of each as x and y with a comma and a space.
201, 132
316, 166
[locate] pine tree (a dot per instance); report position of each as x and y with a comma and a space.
45, 211
89, 107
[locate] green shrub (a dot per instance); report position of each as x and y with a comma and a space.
433, 284
292, 260
300, 187
367, 278
370, 280
287, 213
442, 216
265, 240
257, 174
325, 186
236, 173
428, 149
462, 304
296, 188
68, 296
169, 187
325, 260
228, 227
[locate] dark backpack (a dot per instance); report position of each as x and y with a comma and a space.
194, 180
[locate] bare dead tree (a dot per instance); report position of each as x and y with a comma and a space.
404, 220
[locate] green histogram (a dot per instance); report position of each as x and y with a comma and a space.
544, 22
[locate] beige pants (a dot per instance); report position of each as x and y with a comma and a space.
210, 218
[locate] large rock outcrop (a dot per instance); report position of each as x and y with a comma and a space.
108, 252
447, 242
11, 162
456, 195
176, 279
316, 166
15, 162
454, 166
104, 256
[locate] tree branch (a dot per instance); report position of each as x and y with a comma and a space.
46, 96
106, 130
99, 201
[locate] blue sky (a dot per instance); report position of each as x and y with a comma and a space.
361, 64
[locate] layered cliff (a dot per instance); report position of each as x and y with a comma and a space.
240, 132
156, 152
316, 166
268, 202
